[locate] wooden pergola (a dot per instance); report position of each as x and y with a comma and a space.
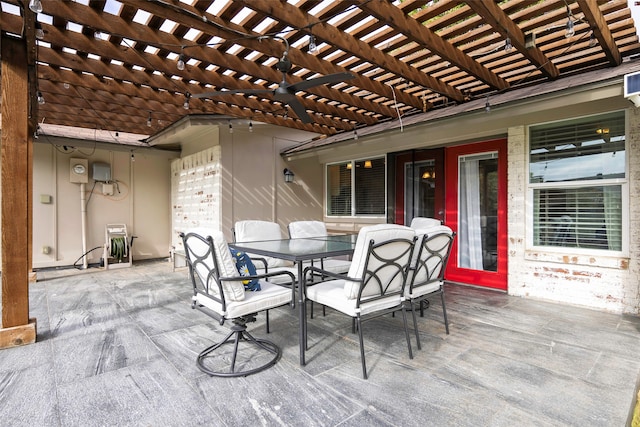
138, 66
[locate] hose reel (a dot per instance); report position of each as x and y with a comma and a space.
117, 251
118, 248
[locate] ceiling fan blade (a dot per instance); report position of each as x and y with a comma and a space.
230, 92
329, 78
300, 111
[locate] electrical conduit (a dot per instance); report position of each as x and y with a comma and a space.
83, 215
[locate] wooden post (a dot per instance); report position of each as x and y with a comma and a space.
16, 164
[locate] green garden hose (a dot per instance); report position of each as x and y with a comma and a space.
118, 248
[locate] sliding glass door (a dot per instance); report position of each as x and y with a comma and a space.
419, 185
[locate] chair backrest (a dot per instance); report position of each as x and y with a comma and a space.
420, 222
300, 229
430, 256
257, 230
381, 259
209, 258
253, 230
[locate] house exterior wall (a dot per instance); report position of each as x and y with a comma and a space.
253, 184
252, 179
143, 203
608, 283
196, 193
602, 282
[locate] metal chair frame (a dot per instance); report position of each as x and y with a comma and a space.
371, 277
434, 273
238, 333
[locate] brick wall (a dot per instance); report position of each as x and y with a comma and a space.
600, 282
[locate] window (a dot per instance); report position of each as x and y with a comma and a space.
577, 178
356, 187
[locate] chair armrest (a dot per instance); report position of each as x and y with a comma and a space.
261, 260
261, 276
322, 272
264, 276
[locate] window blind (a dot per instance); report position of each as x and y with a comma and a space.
573, 204
370, 187
586, 149
584, 217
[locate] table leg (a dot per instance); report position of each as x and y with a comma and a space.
302, 334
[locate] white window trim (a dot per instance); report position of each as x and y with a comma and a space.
605, 258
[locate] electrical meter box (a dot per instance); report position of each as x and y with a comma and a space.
79, 171
101, 172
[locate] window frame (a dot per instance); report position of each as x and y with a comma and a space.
532, 186
353, 189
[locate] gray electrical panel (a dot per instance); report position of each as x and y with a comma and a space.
101, 172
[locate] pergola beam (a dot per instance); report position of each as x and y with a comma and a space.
285, 12
394, 17
601, 30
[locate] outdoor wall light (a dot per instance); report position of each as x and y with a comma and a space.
288, 175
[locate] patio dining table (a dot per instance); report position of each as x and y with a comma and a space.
298, 251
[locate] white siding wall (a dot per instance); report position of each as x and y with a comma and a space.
143, 203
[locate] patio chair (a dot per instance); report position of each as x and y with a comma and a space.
426, 276
420, 222
310, 229
257, 230
307, 229
219, 292
375, 282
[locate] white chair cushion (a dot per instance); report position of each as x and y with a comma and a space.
256, 230
377, 233
307, 229
422, 222
419, 291
334, 265
234, 290
270, 296
301, 229
331, 293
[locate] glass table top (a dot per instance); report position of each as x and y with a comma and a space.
300, 249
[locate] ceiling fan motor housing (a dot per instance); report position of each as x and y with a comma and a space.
284, 65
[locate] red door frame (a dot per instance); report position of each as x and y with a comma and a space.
490, 279
437, 155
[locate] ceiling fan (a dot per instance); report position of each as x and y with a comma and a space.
286, 92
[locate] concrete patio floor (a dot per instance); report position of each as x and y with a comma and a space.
118, 348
